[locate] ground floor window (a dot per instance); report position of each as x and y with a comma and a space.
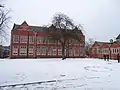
38, 50
52, 51
81, 51
43, 50
23, 50
31, 50
70, 52
76, 51
15, 50
59, 51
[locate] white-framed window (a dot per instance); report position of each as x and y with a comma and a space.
54, 51
51, 41
31, 39
117, 50
38, 40
31, 50
81, 51
70, 52
76, 51
23, 39
15, 39
65, 51
60, 51
59, 42
23, 50
43, 48
15, 50
39, 51
50, 50
41, 40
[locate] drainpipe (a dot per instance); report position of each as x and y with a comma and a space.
28, 45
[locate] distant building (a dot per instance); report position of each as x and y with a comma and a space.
99, 49
6, 51
33, 42
1, 51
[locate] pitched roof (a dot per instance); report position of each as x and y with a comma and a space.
101, 43
118, 37
41, 29
33, 28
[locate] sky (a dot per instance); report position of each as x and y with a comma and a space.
100, 18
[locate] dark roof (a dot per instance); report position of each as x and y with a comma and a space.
33, 28
41, 29
101, 43
118, 37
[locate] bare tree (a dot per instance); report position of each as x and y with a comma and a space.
62, 30
4, 20
88, 44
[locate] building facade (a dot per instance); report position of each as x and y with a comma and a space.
33, 42
101, 49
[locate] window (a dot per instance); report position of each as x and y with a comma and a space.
50, 41
117, 51
43, 48
54, 51
39, 51
65, 51
23, 39
76, 52
59, 51
99, 51
23, 50
31, 39
81, 51
113, 50
31, 50
59, 42
41, 40
15, 50
15, 38
70, 52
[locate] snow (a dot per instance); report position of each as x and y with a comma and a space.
57, 74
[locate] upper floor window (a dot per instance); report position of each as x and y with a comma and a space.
31, 39
23, 39
51, 41
41, 40
113, 50
15, 38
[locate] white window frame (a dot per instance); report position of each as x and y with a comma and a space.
15, 38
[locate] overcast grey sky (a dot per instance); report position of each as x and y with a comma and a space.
100, 18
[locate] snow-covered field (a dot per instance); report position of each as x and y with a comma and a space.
57, 74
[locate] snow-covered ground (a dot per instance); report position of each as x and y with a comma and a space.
57, 74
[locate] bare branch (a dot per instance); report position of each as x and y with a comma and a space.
4, 20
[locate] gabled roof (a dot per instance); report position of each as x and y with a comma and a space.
41, 29
33, 28
118, 37
101, 43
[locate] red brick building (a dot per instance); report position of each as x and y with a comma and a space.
99, 49
33, 42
